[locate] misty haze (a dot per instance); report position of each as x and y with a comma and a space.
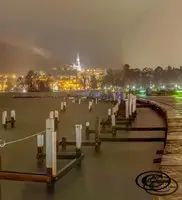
107, 34
90, 100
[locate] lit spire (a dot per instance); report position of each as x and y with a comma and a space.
77, 66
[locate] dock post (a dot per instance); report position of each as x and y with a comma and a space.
56, 117
64, 105
90, 106
114, 110
78, 133
134, 106
109, 113
130, 107
126, 109
114, 97
127, 112
63, 144
4, 118
97, 135
113, 122
56, 120
87, 129
51, 115
51, 165
13, 118
40, 150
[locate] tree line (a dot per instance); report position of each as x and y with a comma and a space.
144, 77
115, 77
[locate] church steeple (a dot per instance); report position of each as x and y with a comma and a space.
77, 65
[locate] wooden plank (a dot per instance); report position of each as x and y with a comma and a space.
141, 128
175, 196
174, 129
174, 172
174, 125
173, 146
172, 159
107, 139
23, 176
174, 136
174, 120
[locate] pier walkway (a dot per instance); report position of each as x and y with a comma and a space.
171, 162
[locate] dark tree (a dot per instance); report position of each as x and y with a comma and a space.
93, 82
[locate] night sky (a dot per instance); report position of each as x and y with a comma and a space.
143, 33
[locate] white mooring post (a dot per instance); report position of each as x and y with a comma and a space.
134, 104
126, 109
124, 96
13, 115
40, 146
78, 132
56, 119
79, 101
116, 107
114, 96
96, 101
113, 120
51, 159
90, 105
109, 112
113, 123
87, 128
62, 106
4, 117
51, 115
130, 105
56, 115
113, 110
54, 153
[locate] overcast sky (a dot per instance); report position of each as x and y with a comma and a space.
106, 33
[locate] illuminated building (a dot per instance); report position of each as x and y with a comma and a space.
77, 65
98, 72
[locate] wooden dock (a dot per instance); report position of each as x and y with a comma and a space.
171, 162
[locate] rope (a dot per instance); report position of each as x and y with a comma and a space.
3, 143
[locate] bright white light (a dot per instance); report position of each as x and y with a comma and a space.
77, 65
55, 88
24, 90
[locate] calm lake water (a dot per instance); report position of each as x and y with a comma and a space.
109, 175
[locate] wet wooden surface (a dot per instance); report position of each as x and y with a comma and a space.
172, 158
